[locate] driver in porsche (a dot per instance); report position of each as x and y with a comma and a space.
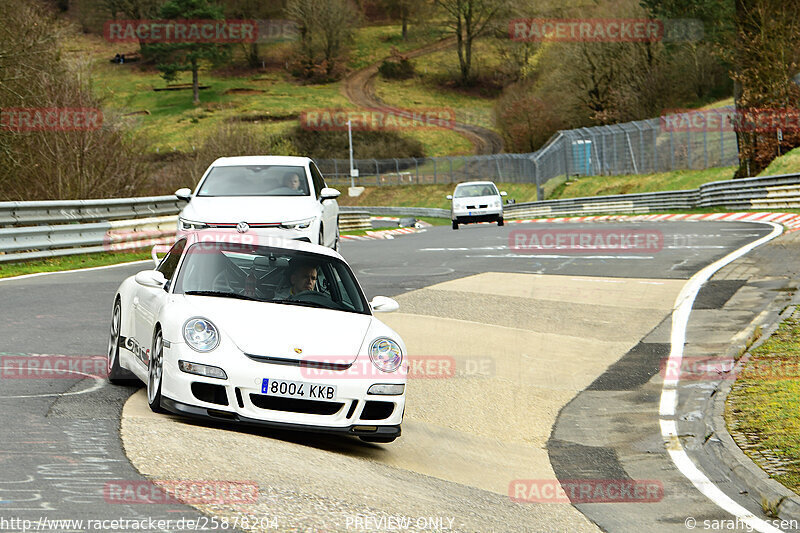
302, 277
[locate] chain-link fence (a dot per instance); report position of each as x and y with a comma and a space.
673, 142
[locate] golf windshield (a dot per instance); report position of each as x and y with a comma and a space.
255, 180
482, 189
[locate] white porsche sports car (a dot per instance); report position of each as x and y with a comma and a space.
261, 331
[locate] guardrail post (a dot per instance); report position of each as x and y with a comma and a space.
397, 170
377, 173
416, 169
335, 168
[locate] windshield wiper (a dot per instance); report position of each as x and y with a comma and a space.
223, 295
305, 304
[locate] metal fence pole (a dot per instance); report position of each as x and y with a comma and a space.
434, 169
671, 151
416, 168
689, 147
655, 149
705, 147
377, 173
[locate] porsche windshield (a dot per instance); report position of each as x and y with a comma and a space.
481, 189
255, 180
266, 274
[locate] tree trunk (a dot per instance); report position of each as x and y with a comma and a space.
404, 17
195, 84
252, 56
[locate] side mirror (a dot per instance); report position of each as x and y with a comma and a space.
328, 193
184, 194
503, 193
449, 196
382, 304
151, 278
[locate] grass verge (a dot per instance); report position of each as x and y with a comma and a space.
71, 262
761, 410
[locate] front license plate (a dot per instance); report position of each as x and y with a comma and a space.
297, 389
469, 213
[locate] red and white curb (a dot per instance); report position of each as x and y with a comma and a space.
789, 220
380, 234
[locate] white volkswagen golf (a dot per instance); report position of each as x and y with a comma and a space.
476, 201
262, 331
272, 195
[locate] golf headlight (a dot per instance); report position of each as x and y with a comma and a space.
188, 225
200, 334
385, 354
299, 224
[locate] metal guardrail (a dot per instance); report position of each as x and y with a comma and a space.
82, 211
36, 242
354, 220
59, 228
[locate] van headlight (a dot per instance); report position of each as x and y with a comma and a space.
189, 225
385, 354
300, 224
200, 334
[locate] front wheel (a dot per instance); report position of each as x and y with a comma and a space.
336, 242
155, 373
500, 221
455, 224
116, 374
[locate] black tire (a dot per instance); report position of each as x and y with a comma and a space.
155, 373
500, 221
378, 440
455, 224
115, 373
336, 243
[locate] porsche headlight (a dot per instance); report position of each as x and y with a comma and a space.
299, 224
385, 354
200, 334
188, 225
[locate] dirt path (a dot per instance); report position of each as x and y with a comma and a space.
359, 88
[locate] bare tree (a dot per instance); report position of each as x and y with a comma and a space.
469, 20
325, 28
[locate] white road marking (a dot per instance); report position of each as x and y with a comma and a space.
669, 390
553, 256
37, 274
99, 383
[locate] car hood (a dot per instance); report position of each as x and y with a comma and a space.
474, 200
276, 330
250, 209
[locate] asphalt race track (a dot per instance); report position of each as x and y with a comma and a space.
557, 359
